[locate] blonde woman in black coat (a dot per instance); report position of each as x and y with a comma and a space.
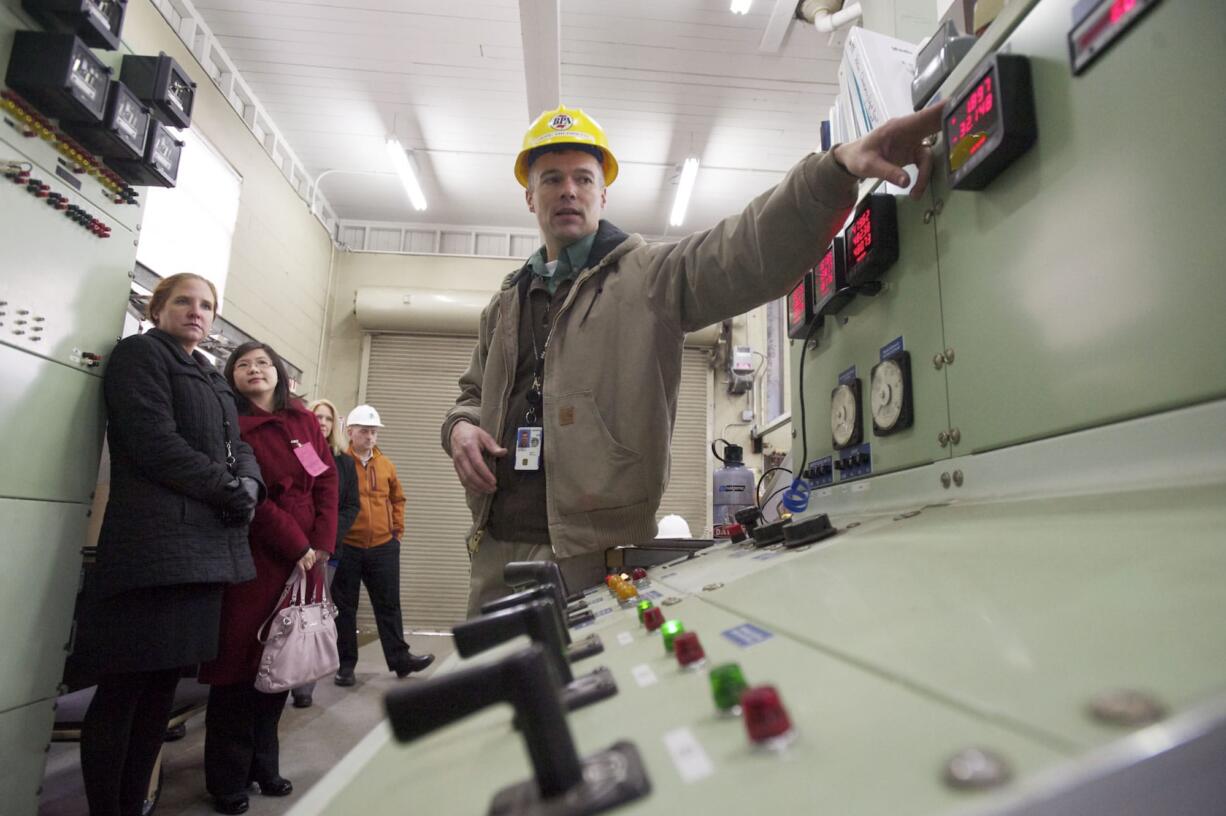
183, 488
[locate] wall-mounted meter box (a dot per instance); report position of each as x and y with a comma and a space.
990, 123
59, 75
871, 241
161, 84
160, 165
830, 290
97, 22
1097, 24
800, 308
121, 133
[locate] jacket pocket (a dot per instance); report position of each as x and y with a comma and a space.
198, 514
589, 469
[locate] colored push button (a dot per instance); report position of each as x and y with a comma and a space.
643, 606
653, 618
626, 592
670, 630
688, 650
765, 717
727, 684
639, 574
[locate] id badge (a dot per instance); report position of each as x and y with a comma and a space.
528, 448
309, 459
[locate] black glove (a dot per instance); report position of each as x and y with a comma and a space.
242, 495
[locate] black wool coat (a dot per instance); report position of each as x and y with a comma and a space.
169, 418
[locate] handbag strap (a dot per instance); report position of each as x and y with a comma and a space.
293, 584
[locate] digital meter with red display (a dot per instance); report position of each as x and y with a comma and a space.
990, 123
800, 308
830, 290
871, 241
1097, 24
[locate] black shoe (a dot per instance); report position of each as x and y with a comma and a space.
344, 677
234, 804
303, 700
414, 663
176, 732
277, 786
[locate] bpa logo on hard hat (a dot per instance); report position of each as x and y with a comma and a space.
561, 122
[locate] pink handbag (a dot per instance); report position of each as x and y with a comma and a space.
300, 641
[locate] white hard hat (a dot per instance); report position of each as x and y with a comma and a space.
673, 526
363, 415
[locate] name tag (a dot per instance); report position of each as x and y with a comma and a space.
528, 448
308, 458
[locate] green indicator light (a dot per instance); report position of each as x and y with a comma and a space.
643, 607
727, 683
671, 629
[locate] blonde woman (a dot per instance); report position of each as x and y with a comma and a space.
330, 423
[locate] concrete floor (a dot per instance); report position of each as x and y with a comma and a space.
312, 741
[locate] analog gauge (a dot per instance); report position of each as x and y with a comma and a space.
845, 414
890, 394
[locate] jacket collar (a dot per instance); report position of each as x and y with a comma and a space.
375, 454
609, 244
193, 359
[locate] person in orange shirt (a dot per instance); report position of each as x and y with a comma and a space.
371, 555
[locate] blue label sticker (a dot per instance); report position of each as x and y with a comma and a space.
765, 556
848, 376
746, 634
651, 594
892, 348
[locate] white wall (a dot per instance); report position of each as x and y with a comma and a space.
281, 255
354, 270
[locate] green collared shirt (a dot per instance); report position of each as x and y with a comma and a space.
570, 260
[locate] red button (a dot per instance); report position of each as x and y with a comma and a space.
638, 574
765, 716
653, 618
688, 649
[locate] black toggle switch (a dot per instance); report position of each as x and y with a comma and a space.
809, 531
540, 592
538, 621
522, 573
564, 784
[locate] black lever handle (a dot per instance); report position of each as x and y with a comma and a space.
519, 573
527, 681
537, 593
537, 620
565, 785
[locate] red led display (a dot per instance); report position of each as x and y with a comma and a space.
796, 305
861, 236
975, 117
826, 284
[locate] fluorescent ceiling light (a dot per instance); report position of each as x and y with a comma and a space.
741, 6
689, 172
408, 176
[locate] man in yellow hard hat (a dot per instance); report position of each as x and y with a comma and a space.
561, 432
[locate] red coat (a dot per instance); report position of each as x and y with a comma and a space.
300, 512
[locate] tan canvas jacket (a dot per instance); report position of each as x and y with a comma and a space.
613, 365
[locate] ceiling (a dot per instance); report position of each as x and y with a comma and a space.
667, 79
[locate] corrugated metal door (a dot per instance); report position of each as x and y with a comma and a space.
412, 382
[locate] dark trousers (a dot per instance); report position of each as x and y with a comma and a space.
121, 736
378, 568
240, 739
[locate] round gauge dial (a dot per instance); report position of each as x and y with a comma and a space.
886, 395
844, 415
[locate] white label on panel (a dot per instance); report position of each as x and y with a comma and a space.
691, 760
643, 675
625, 638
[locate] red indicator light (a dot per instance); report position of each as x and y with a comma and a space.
638, 574
688, 649
862, 236
765, 716
653, 618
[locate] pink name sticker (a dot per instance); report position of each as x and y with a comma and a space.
310, 460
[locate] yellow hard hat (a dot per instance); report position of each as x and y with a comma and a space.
565, 126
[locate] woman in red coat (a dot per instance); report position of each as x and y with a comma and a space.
295, 527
